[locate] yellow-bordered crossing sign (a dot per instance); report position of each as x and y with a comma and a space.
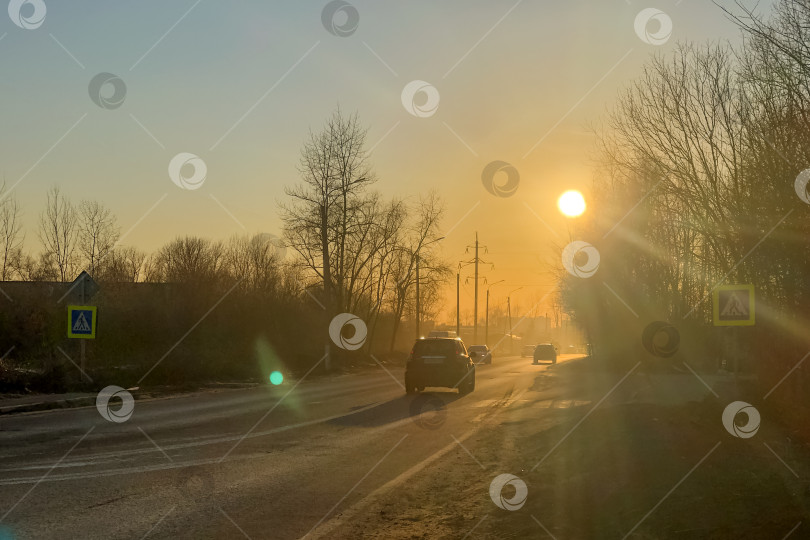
82, 322
733, 305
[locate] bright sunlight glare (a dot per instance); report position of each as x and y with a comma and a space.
571, 203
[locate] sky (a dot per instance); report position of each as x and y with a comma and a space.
240, 84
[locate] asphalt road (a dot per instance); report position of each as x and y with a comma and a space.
272, 462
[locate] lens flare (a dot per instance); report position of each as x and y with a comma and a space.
276, 378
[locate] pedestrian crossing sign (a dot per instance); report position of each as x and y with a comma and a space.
82, 322
733, 305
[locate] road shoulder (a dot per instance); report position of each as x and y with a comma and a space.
639, 462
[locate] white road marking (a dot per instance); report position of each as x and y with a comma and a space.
326, 529
206, 440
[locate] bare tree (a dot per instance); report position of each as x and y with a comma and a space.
11, 237
97, 233
373, 269
58, 233
188, 260
123, 264
41, 269
417, 241
325, 207
254, 261
698, 183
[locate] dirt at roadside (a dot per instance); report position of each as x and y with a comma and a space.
18, 403
642, 464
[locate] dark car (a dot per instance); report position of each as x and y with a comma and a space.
526, 351
439, 362
545, 352
481, 354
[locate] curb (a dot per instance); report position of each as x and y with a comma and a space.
48, 405
90, 401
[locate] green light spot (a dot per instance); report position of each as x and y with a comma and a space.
276, 378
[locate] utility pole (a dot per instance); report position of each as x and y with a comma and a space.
458, 304
327, 285
486, 320
486, 327
509, 316
475, 310
417, 296
83, 341
564, 333
476, 260
461, 264
416, 256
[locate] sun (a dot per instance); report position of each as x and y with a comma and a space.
571, 203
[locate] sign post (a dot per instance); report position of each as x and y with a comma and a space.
82, 318
82, 322
733, 305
